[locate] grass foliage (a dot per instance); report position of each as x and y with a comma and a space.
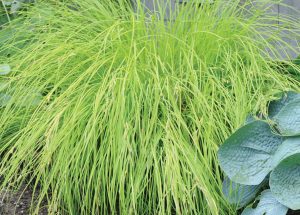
113, 111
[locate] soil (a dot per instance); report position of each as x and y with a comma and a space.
18, 203
290, 212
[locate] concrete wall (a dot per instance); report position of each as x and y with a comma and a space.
154, 5
294, 11
291, 8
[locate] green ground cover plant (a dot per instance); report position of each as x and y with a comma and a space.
109, 110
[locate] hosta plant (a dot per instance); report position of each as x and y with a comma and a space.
265, 153
9, 9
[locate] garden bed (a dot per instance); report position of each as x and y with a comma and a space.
18, 202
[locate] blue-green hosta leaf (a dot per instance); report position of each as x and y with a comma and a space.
3, 86
249, 119
4, 69
16, 5
6, 35
4, 99
288, 119
267, 205
239, 194
276, 105
289, 147
7, 3
30, 99
285, 182
246, 155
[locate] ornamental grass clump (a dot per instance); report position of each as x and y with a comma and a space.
105, 109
